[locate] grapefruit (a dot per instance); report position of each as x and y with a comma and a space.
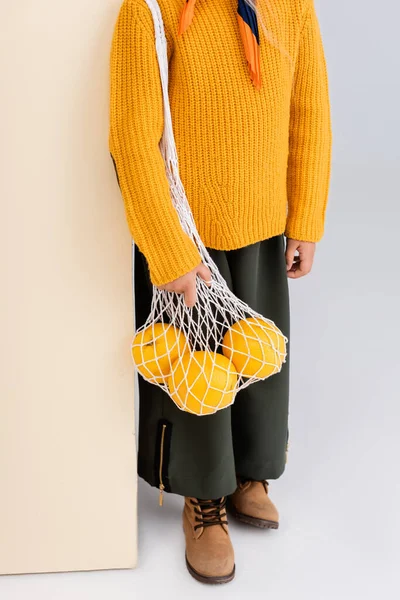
156, 348
202, 382
256, 348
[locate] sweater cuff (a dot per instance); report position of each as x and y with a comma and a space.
170, 261
298, 228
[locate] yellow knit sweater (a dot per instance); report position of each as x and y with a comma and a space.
254, 163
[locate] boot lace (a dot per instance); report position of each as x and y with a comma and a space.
209, 512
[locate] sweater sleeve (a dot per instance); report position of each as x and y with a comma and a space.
310, 137
136, 126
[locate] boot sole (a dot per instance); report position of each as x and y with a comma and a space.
215, 580
248, 520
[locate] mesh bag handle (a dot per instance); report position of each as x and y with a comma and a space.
203, 355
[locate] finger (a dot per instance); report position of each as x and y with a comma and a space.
299, 270
291, 249
204, 272
306, 266
294, 274
296, 261
295, 265
190, 294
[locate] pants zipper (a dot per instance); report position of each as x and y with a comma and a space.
161, 486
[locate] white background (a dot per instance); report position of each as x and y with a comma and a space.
340, 496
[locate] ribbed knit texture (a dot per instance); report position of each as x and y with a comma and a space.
254, 163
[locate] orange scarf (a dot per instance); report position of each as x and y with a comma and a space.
248, 27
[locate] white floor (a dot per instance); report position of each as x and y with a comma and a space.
340, 496
336, 540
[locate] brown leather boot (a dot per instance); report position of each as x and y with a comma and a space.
209, 550
251, 504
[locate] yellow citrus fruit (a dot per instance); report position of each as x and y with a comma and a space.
255, 347
155, 348
203, 382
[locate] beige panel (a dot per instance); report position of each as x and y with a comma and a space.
67, 446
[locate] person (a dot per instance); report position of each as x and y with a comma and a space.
249, 97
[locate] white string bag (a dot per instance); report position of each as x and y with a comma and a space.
200, 356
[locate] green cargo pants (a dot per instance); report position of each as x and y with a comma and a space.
201, 456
